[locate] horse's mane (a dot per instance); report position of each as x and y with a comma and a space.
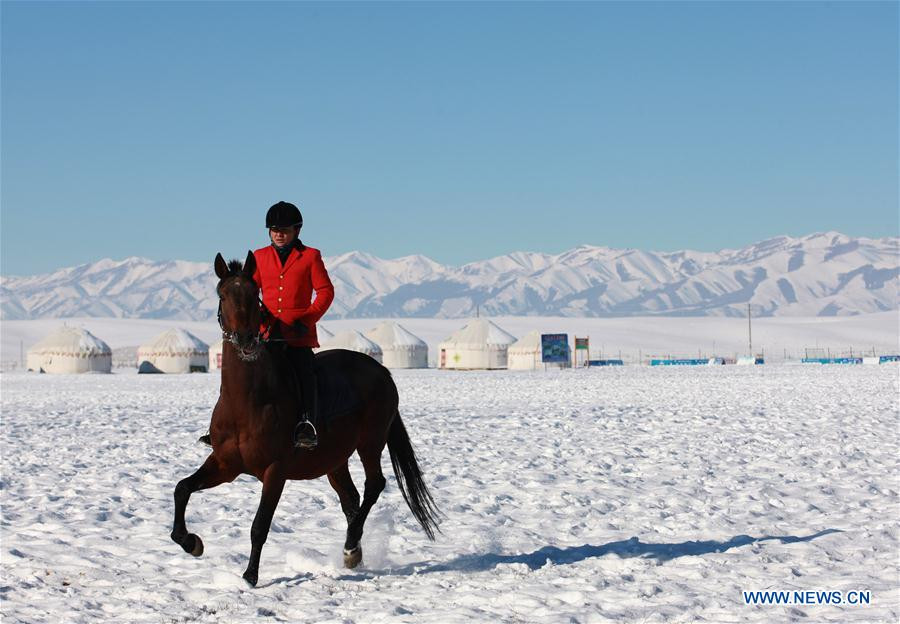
235, 266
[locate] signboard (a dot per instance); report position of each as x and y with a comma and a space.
554, 348
582, 343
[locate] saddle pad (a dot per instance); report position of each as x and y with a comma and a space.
336, 395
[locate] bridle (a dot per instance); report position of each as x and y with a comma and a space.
247, 353
251, 352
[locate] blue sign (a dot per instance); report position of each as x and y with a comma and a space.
554, 348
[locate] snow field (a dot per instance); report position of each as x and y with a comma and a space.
635, 494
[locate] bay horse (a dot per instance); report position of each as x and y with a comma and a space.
253, 420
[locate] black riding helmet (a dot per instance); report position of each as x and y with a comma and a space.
283, 214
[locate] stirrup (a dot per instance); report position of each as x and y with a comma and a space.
307, 443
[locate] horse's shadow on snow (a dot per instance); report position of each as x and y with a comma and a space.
562, 556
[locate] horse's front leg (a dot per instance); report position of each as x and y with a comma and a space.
273, 485
210, 474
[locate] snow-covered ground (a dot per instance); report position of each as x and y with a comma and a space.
632, 338
634, 495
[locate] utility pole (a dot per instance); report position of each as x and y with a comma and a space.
749, 331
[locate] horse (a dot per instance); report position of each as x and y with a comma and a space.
253, 419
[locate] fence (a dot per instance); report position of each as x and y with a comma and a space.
700, 357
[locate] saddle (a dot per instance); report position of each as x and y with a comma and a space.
336, 395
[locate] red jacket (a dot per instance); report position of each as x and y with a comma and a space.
287, 291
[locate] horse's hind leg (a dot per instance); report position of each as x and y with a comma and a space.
374, 486
342, 483
210, 474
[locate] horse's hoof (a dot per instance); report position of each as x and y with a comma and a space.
197, 550
190, 543
352, 557
251, 578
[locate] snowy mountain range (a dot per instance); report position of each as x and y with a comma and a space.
823, 274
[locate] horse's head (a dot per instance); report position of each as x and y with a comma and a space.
239, 307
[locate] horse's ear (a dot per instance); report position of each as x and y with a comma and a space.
250, 265
221, 267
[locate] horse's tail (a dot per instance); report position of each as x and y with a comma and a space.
409, 478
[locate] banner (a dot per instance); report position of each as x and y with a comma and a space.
554, 348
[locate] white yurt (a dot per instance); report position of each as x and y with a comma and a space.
70, 350
400, 347
525, 353
173, 351
215, 355
353, 341
480, 344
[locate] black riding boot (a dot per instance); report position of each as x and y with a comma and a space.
305, 434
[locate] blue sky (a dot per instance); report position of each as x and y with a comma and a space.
460, 131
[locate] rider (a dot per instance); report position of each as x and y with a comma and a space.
287, 272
